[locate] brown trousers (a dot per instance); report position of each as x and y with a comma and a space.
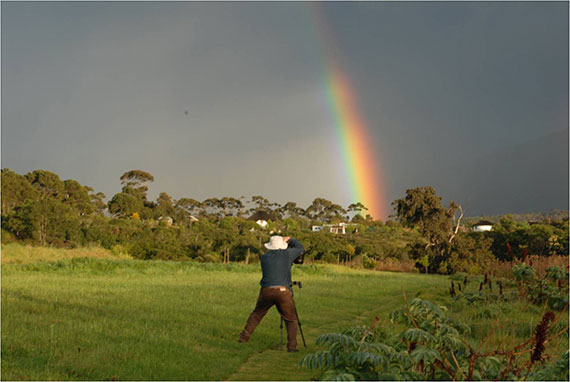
282, 298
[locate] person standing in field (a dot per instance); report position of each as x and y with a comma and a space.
276, 287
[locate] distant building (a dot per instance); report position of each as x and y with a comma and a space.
339, 228
482, 226
262, 218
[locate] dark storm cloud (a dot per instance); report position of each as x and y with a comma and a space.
447, 85
227, 98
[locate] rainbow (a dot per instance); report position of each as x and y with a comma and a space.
360, 162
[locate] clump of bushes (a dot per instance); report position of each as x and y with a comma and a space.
552, 289
432, 346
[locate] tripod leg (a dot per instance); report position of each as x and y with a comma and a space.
300, 327
281, 326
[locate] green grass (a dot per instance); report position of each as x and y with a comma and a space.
101, 319
15, 253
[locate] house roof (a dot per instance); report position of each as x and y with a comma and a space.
482, 222
341, 224
261, 215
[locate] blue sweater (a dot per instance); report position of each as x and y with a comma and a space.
276, 264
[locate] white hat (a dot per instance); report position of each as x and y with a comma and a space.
276, 242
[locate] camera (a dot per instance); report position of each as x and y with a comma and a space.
300, 259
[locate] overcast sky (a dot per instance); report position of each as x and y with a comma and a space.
227, 99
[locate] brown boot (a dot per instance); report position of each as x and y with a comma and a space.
243, 337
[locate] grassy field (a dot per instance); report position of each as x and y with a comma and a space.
103, 318
14, 253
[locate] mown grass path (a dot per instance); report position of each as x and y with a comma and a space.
337, 307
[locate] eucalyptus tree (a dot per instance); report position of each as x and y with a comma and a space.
136, 178
291, 210
262, 204
357, 208
324, 210
46, 221
421, 208
123, 205
96, 200
188, 206
132, 197
48, 183
165, 206
77, 196
226, 237
231, 206
213, 206
16, 189
135, 183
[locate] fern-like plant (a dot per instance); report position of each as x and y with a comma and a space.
553, 289
432, 346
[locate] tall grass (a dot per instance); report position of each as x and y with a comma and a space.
539, 263
15, 253
395, 265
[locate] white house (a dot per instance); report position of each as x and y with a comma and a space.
332, 228
337, 228
261, 218
482, 226
262, 223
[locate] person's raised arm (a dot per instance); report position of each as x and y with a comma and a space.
295, 248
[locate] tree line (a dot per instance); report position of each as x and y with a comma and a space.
445, 247
41, 209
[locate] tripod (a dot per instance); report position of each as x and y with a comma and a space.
300, 285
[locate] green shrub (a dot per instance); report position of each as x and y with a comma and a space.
212, 258
552, 290
432, 346
368, 263
555, 273
524, 273
8, 237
